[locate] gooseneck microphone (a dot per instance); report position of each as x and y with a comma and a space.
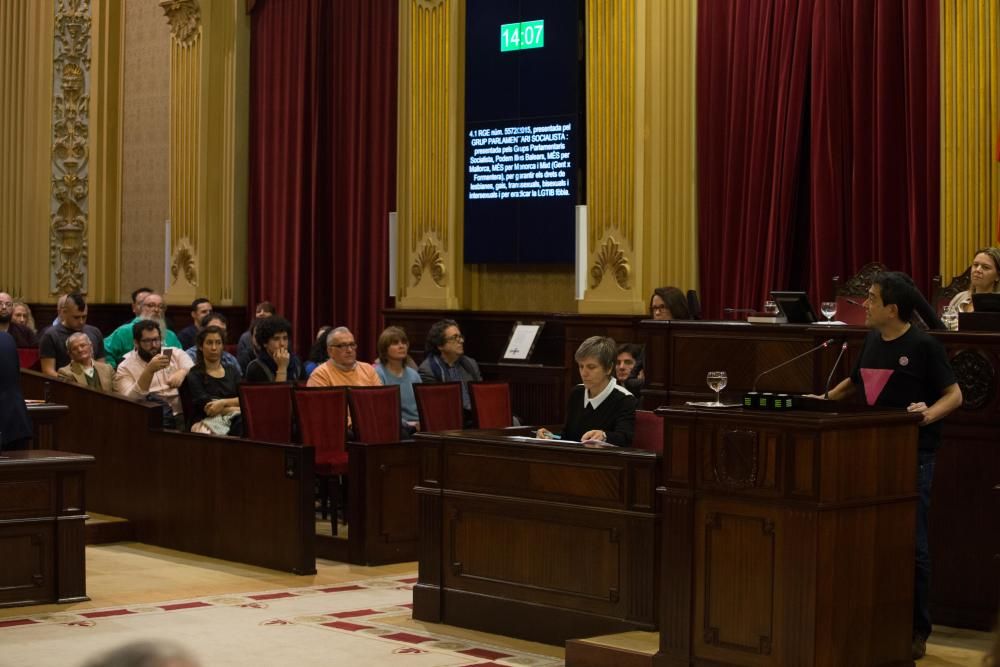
738, 310
822, 345
829, 378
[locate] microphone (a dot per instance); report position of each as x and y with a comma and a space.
829, 379
738, 310
853, 302
826, 343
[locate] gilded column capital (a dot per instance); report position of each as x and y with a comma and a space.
429, 4
184, 17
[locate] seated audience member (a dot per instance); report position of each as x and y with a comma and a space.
15, 425
83, 369
22, 335
395, 367
599, 409
153, 372
445, 361
669, 303
343, 369
22, 315
318, 353
213, 387
246, 348
137, 296
629, 367
984, 277
200, 307
53, 346
274, 362
120, 341
217, 320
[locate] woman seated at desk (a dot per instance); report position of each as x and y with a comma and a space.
984, 277
599, 409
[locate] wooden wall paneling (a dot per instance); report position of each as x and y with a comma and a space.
228, 498
428, 603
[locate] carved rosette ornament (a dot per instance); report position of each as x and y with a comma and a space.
70, 129
184, 17
858, 284
428, 259
611, 259
976, 376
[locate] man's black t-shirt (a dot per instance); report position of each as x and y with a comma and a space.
913, 368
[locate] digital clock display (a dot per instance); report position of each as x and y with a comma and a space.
524, 35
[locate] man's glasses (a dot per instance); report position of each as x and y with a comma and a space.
152, 306
345, 346
146, 342
457, 338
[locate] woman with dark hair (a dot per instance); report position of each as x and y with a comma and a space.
445, 361
274, 362
318, 353
395, 367
669, 303
599, 409
213, 387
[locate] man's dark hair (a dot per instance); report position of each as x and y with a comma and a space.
266, 306
145, 325
77, 300
318, 352
435, 336
197, 302
139, 291
268, 327
897, 288
632, 349
213, 316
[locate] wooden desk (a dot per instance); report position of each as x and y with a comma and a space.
788, 538
44, 417
545, 542
41, 527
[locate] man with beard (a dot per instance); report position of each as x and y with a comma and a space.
154, 373
52, 346
22, 335
120, 341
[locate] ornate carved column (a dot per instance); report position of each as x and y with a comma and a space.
429, 171
68, 248
209, 74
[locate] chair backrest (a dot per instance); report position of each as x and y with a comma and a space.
375, 413
322, 418
28, 357
648, 431
266, 408
694, 305
439, 405
491, 404
943, 294
850, 310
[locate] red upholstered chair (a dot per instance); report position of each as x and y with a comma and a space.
850, 310
28, 357
491, 404
439, 405
375, 414
322, 418
648, 431
266, 408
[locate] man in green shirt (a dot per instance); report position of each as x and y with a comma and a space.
120, 343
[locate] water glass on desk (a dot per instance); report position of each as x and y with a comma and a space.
717, 381
950, 318
770, 308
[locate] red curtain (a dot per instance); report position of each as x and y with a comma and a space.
817, 144
875, 155
322, 162
753, 62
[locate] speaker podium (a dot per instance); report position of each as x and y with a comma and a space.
787, 537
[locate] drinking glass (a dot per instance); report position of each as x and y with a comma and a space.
770, 308
829, 309
716, 382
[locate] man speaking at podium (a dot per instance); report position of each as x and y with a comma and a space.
902, 367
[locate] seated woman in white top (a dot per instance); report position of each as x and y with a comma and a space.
983, 278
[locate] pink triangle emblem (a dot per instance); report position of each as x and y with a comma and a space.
875, 380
